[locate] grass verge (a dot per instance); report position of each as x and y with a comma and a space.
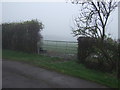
69, 67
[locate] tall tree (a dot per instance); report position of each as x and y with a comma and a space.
93, 17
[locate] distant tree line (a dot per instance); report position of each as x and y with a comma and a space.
22, 36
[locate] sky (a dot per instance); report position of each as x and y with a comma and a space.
57, 18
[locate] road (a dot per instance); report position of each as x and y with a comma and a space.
21, 75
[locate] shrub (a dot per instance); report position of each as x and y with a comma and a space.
21, 36
85, 45
94, 55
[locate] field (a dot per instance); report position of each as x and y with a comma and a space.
60, 48
66, 67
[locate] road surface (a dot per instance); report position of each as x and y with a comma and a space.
21, 75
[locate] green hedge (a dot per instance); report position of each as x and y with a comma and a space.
101, 56
22, 36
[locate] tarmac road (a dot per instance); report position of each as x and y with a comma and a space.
20, 75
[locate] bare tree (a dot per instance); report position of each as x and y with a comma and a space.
93, 18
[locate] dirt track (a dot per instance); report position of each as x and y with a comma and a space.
21, 75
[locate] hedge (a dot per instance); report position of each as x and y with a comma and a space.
22, 36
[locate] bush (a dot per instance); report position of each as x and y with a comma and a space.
85, 45
97, 55
21, 36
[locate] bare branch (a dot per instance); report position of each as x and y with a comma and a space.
93, 18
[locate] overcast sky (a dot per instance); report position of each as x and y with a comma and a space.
57, 17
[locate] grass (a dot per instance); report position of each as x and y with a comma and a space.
69, 67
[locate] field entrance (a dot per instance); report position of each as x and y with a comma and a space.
63, 49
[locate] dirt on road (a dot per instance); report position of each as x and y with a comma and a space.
20, 75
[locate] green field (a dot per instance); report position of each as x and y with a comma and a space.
66, 67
